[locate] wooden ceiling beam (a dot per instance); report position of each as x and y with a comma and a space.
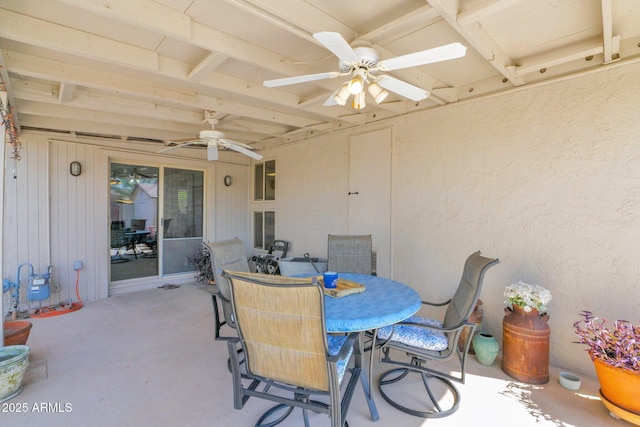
58, 38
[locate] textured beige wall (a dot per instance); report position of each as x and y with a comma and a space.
546, 178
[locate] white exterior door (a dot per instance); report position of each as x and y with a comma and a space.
370, 193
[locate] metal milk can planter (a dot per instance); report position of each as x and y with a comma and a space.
525, 345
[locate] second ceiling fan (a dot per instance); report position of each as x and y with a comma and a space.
214, 139
363, 64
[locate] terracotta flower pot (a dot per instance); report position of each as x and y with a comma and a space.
619, 386
16, 332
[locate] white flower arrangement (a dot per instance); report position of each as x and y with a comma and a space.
527, 296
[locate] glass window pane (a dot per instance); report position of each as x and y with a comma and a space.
270, 180
269, 228
134, 216
258, 185
257, 230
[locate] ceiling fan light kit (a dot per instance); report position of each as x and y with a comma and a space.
342, 95
358, 101
362, 63
376, 91
355, 85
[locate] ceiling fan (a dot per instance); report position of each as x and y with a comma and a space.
214, 139
363, 64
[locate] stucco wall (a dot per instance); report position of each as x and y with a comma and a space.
545, 178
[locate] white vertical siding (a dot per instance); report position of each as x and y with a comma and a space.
51, 217
232, 214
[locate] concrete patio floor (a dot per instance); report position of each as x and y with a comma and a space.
149, 359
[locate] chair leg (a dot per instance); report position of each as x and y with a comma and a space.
288, 409
435, 410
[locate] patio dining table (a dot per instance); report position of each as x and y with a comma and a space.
135, 238
383, 302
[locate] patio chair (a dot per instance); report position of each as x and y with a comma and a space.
281, 328
268, 263
138, 224
424, 340
350, 254
225, 255
119, 240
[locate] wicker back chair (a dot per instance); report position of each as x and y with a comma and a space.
281, 328
350, 254
425, 339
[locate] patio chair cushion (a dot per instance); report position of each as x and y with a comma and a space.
335, 342
424, 338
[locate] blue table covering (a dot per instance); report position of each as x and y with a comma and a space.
383, 303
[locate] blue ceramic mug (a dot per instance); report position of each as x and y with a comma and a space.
330, 279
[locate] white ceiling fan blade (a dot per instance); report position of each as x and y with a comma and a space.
194, 141
300, 79
212, 151
437, 54
405, 89
241, 144
235, 146
337, 45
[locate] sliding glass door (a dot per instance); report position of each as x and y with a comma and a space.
155, 224
134, 218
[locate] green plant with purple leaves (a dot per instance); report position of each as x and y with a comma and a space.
616, 344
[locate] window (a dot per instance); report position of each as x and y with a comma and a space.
264, 184
264, 229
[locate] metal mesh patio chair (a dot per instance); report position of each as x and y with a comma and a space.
225, 255
424, 340
281, 328
349, 254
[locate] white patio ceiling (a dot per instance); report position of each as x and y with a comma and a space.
143, 70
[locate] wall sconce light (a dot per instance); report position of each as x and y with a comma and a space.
227, 180
75, 168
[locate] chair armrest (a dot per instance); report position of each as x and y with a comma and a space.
436, 304
347, 345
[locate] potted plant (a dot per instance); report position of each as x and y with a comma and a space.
201, 262
614, 349
528, 297
525, 333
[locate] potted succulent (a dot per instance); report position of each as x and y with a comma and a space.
614, 349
